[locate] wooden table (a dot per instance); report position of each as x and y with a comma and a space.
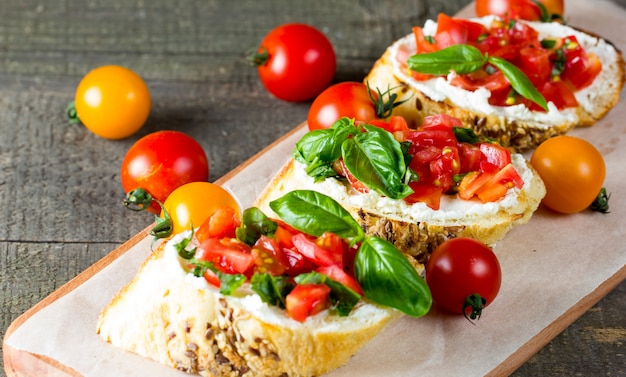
60, 189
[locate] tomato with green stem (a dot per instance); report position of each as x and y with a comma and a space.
295, 62
111, 101
350, 99
464, 276
162, 161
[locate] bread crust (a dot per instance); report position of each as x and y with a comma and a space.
418, 236
175, 319
518, 134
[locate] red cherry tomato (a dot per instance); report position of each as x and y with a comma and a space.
524, 9
113, 102
295, 62
460, 268
346, 99
161, 162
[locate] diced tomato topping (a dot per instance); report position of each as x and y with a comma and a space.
481, 79
470, 157
316, 253
269, 256
355, 183
423, 44
471, 182
581, 71
558, 92
520, 44
441, 120
212, 278
337, 274
494, 157
396, 123
229, 255
222, 223
283, 236
306, 300
298, 263
490, 186
426, 193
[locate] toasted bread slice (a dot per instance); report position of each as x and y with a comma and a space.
513, 126
416, 229
172, 317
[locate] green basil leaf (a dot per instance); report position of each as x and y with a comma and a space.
376, 159
314, 213
229, 283
461, 59
519, 81
388, 278
325, 145
254, 224
465, 135
271, 289
342, 298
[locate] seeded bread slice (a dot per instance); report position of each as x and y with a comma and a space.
518, 128
180, 321
417, 230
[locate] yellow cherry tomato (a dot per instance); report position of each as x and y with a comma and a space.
112, 101
192, 203
573, 171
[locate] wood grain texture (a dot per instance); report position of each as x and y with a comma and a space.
60, 189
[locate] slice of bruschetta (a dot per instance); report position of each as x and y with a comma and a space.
439, 195
579, 74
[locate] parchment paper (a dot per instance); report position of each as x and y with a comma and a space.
553, 268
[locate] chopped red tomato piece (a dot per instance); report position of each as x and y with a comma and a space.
269, 256
306, 300
470, 157
298, 263
315, 253
426, 193
212, 278
582, 70
471, 183
493, 157
337, 274
227, 254
481, 79
558, 92
355, 183
423, 44
222, 223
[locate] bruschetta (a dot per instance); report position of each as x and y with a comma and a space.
414, 187
561, 76
265, 297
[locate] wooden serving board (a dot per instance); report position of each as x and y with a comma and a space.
554, 269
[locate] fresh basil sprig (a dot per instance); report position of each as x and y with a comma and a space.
271, 289
314, 213
388, 278
464, 59
254, 224
370, 153
384, 273
375, 158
